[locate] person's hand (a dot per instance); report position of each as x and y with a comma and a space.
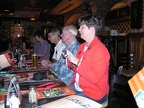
14, 60
72, 58
46, 63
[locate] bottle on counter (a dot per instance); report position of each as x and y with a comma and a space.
32, 95
14, 100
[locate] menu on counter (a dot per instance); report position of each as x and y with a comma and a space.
136, 84
5, 61
54, 92
72, 101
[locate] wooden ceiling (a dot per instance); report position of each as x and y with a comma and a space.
37, 8
119, 5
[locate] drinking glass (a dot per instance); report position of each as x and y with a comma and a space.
34, 60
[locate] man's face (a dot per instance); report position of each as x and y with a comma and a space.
51, 37
37, 38
65, 36
33, 40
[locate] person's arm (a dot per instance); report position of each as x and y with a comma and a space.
43, 54
26, 50
53, 60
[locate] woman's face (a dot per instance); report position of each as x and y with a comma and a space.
84, 31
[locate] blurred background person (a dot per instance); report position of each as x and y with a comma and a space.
34, 44
44, 47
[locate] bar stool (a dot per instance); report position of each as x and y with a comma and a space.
128, 63
127, 60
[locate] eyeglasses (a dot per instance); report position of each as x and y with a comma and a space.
51, 34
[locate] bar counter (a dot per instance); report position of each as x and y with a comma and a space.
25, 86
24, 81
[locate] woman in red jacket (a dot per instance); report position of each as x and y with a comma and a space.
91, 64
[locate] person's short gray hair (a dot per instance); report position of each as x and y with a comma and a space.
72, 29
54, 31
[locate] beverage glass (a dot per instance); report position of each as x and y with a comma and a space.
34, 60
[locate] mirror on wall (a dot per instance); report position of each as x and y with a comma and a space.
118, 12
125, 18
136, 14
118, 18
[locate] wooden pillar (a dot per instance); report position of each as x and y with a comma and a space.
137, 46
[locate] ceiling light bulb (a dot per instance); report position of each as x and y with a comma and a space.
32, 19
11, 13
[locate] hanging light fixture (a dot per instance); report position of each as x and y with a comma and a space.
11, 8
11, 13
17, 23
32, 18
7, 8
0, 12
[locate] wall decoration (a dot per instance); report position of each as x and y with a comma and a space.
16, 31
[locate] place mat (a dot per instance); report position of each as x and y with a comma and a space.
30, 61
29, 69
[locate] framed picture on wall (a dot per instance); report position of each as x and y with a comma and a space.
136, 14
16, 31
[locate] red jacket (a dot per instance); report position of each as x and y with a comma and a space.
93, 69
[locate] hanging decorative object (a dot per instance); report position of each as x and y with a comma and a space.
6, 8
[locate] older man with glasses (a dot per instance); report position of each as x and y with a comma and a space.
54, 37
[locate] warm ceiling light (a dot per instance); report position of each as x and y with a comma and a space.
33, 18
11, 13
6, 10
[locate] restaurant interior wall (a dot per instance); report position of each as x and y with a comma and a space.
133, 41
122, 18
119, 19
28, 27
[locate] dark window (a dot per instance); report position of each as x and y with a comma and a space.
136, 14
124, 12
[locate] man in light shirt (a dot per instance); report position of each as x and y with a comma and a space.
54, 37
